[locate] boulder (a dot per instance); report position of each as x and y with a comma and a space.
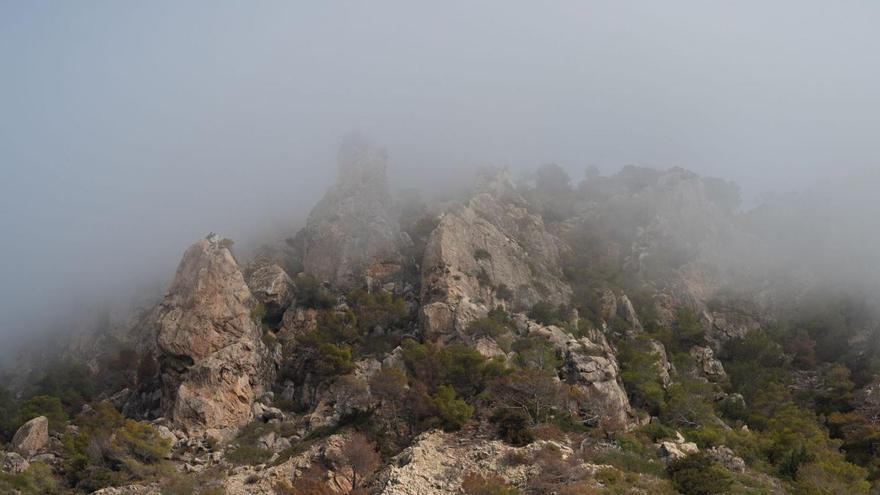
31, 437
212, 359
490, 251
674, 449
273, 288
13, 463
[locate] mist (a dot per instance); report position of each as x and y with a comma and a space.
129, 131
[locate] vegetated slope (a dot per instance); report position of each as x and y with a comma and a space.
617, 336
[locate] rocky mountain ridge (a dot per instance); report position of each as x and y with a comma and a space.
534, 339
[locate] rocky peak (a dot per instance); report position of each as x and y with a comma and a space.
350, 235
213, 362
489, 251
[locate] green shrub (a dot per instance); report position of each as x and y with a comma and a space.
311, 294
492, 325
258, 312
141, 442
482, 254
453, 413
641, 377
546, 313
476, 484
698, 474
37, 479
44, 405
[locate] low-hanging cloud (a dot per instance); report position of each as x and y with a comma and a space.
129, 131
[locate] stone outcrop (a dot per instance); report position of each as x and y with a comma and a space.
490, 251
13, 463
350, 237
707, 364
436, 463
273, 288
664, 367
619, 307
674, 449
589, 364
212, 359
32, 436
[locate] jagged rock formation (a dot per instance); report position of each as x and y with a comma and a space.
350, 237
31, 436
212, 359
590, 365
490, 251
675, 449
707, 364
437, 462
13, 463
272, 287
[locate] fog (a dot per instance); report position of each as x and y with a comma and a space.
128, 131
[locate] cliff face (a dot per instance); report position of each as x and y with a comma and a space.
212, 359
350, 235
490, 251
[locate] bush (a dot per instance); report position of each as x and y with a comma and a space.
641, 377
698, 474
141, 442
44, 405
37, 479
546, 313
494, 324
310, 293
513, 426
503, 292
475, 484
109, 450
453, 413
482, 254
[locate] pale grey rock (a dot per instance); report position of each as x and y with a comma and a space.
664, 367
13, 463
707, 364
727, 458
589, 364
273, 288
31, 437
675, 449
350, 235
492, 241
130, 490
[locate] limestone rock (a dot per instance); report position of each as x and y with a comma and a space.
31, 436
273, 288
212, 359
589, 364
707, 364
664, 367
490, 251
436, 463
727, 458
350, 236
675, 449
130, 490
13, 463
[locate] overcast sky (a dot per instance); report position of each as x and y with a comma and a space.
129, 130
